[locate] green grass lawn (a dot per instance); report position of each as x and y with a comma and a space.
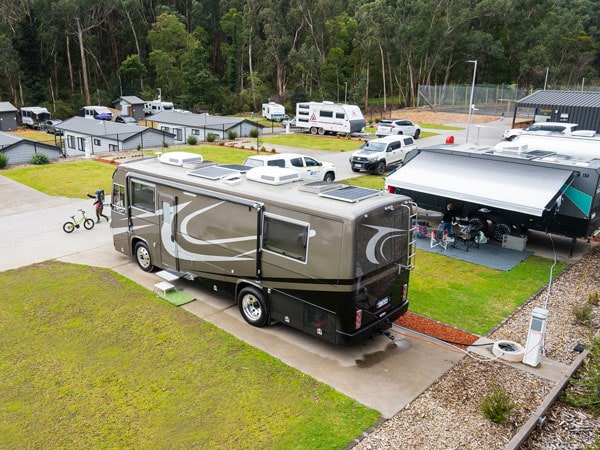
90, 359
329, 143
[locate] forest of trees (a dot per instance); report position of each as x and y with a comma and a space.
227, 56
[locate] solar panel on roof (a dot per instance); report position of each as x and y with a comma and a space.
213, 172
351, 194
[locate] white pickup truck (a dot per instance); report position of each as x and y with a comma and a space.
378, 154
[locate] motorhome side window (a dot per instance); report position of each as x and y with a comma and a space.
142, 196
285, 237
118, 198
340, 115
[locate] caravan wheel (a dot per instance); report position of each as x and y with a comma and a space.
253, 306
322, 131
313, 130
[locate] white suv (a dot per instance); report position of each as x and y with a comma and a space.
389, 127
379, 154
309, 168
544, 128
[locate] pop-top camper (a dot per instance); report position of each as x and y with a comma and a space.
329, 117
328, 259
34, 116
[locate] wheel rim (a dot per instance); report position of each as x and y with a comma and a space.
68, 227
251, 307
313, 130
500, 230
380, 168
143, 256
321, 131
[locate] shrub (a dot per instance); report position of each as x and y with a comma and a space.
210, 137
254, 133
39, 159
165, 144
584, 391
231, 135
593, 299
3, 161
192, 140
582, 313
497, 405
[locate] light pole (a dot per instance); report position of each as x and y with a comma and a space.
345, 91
471, 101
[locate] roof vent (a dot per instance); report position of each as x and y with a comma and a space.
273, 175
185, 159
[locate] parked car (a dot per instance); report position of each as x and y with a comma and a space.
378, 154
126, 119
389, 127
50, 126
291, 122
549, 128
309, 168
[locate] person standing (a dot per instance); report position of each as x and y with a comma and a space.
98, 204
448, 219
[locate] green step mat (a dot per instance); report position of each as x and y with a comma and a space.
177, 298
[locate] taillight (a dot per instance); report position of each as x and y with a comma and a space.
391, 189
358, 319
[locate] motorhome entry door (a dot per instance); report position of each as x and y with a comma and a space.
168, 226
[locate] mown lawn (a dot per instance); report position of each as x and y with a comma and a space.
90, 359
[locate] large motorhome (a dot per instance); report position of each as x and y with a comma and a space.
34, 116
329, 117
578, 146
505, 191
328, 259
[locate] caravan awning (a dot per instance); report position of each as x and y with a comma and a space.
513, 186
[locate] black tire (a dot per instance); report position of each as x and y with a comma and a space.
253, 306
329, 177
380, 169
313, 130
499, 230
88, 224
142, 257
417, 134
479, 224
321, 131
68, 227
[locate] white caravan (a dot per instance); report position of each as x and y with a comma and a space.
273, 111
34, 116
329, 117
156, 106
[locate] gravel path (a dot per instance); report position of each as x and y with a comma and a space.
448, 416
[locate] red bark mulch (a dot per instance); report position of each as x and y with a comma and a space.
436, 329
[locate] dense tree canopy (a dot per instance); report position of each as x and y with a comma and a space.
232, 55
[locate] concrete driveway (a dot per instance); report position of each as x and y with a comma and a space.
381, 374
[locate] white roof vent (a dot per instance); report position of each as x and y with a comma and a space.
185, 159
272, 175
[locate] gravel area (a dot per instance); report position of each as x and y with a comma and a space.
448, 415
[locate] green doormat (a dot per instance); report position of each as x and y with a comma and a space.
177, 298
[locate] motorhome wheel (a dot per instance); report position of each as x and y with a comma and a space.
478, 224
253, 306
500, 229
142, 257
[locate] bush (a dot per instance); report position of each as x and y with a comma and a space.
3, 161
594, 299
165, 144
584, 391
254, 133
39, 159
192, 140
582, 313
210, 137
497, 405
231, 135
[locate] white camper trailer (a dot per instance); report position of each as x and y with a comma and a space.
329, 117
156, 106
273, 111
96, 112
331, 260
34, 116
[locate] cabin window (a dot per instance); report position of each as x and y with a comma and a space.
71, 141
195, 131
325, 113
142, 196
178, 134
165, 129
118, 198
113, 148
286, 237
96, 141
81, 144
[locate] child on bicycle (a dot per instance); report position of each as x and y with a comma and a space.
98, 203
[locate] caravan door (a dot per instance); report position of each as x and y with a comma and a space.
168, 237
